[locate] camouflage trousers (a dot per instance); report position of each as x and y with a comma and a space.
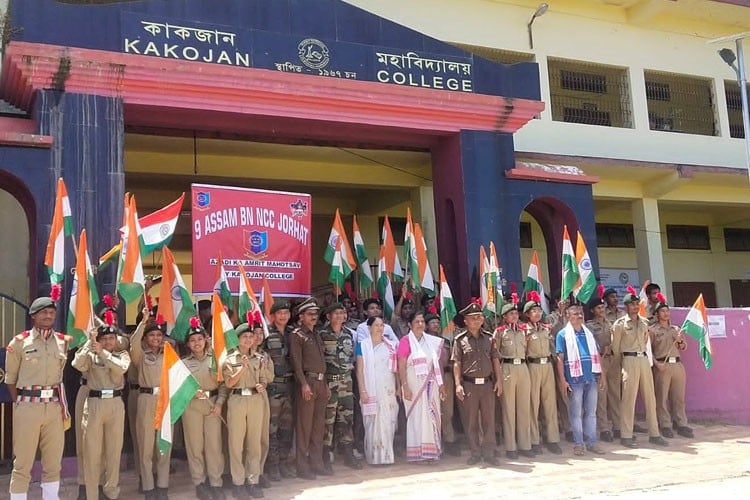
282, 422
340, 412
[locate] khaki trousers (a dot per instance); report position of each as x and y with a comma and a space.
148, 449
132, 414
36, 425
669, 386
446, 409
247, 420
478, 407
103, 427
543, 389
516, 407
636, 373
81, 395
203, 440
608, 403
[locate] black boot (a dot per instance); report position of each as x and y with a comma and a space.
349, 459
327, 467
81, 492
161, 494
272, 472
217, 493
263, 481
286, 471
202, 492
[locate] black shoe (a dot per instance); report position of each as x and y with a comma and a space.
81, 492
685, 431
161, 494
606, 436
349, 459
286, 471
151, 494
217, 493
202, 492
526, 453
628, 443
453, 449
272, 473
263, 481
327, 468
239, 492
569, 436
324, 471
306, 475
667, 432
658, 440
554, 448
254, 490
616, 434
536, 449
492, 461
474, 459
639, 429
512, 455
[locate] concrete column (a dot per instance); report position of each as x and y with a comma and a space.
648, 241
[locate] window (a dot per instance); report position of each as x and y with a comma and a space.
589, 94
615, 236
688, 238
398, 228
525, 230
734, 109
737, 239
680, 103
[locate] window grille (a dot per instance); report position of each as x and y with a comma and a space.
734, 108
680, 103
688, 237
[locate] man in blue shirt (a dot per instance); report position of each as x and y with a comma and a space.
580, 374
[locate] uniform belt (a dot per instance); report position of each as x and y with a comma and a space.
245, 391
538, 361
315, 376
337, 377
514, 361
636, 354
148, 390
477, 380
669, 359
41, 395
134, 387
210, 394
284, 379
106, 393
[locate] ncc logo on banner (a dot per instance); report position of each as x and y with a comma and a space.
268, 232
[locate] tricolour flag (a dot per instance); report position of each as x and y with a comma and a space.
221, 284
82, 297
130, 278
365, 273
388, 252
570, 274
447, 304
223, 335
385, 289
62, 226
534, 281
494, 285
696, 325
484, 266
423, 277
248, 302
158, 227
177, 388
175, 303
586, 278
339, 234
336, 275
266, 299
111, 256
411, 265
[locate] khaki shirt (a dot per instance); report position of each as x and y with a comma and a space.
539, 339
32, 360
664, 340
146, 361
511, 342
613, 316
475, 353
260, 371
103, 371
204, 372
306, 353
629, 335
602, 331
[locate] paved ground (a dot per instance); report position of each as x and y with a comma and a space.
714, 463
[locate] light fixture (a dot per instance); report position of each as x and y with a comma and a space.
727, 55
540, 11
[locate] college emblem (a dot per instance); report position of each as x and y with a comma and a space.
299, 208
202, 200
313, 53
256, 243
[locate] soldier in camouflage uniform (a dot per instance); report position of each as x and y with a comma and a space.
280, 393
338, 349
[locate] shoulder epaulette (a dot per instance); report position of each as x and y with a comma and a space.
23, 335
522, 326
546, 325
501, 328
64, 337
486, 332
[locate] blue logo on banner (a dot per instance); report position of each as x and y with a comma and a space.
203, 199
258, 242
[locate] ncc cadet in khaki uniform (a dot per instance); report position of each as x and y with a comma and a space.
201, 421
669, 373
608, 402
33, 373
338, 346
309, 366
103, 413
651, 289
541, 376
477, 376
247, 372
510, 338
613, 311
433, 327
280, 392
148, 360
629, 339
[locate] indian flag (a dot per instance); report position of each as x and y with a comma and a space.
62, 226
83, 296
696, 325
338, 234
534, 281
176, 389
365, 273
158, 227
248, 303
484, 266
587, 280
221, 284
494, 285
392, 264
423, 278
336, 276
266, 298
385, 290
130, 278
175, 303
111, 256
223, 336
569, 266
447, 305
411, 264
